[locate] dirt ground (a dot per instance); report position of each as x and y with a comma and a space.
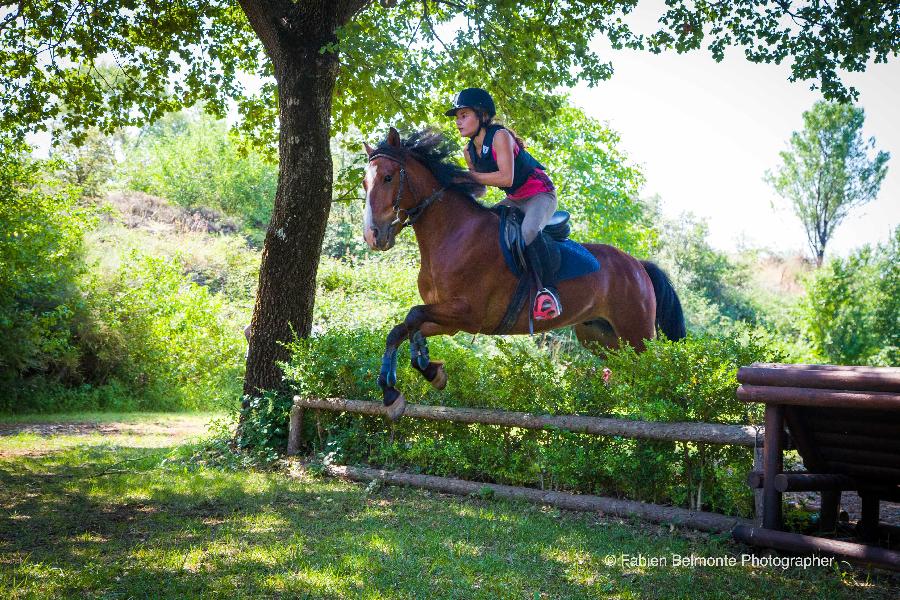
150, 431
176, 429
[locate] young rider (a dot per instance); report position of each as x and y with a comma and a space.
497, 157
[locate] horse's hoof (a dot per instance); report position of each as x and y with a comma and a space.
439, 381
395, 409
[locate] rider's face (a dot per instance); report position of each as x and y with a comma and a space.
467, 122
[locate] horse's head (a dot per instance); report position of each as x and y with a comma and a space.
389, 191
404, 178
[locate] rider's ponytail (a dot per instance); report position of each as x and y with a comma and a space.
487, 121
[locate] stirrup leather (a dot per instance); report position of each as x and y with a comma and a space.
546, 305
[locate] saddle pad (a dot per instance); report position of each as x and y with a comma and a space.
575, 260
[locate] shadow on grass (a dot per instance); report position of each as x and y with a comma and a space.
99, 522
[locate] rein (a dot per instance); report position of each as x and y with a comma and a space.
411, 215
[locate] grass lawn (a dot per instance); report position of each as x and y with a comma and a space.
114, 510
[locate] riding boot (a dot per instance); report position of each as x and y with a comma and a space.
544, 263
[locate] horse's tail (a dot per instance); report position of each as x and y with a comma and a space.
669, 316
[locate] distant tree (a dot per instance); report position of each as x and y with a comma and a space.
595, 181
89, 164
827, 171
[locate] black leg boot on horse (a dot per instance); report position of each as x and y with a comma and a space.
543, 259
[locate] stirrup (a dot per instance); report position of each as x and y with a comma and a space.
546, 305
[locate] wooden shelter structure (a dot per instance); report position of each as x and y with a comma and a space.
845, 423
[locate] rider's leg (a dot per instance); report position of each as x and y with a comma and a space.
538, 210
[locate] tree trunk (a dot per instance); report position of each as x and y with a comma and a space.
287, 277
293, 36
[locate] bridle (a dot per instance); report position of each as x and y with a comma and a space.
410, 215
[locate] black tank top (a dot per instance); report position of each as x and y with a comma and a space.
523, 164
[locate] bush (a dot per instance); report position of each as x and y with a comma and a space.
162, 337
690, 380
852, 310
41, 257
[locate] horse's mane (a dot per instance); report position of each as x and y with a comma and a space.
432, 149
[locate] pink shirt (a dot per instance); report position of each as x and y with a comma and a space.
538, 182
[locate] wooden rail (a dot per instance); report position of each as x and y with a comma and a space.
703, 521
708, 433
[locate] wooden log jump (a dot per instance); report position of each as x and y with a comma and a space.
709, 433
870, 379
845, 422
703, 521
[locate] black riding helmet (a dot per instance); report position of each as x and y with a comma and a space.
475, 98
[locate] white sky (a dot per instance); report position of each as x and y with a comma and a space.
706, 132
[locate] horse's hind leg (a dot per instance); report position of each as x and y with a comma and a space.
597, 335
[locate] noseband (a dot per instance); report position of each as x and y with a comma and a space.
411, 215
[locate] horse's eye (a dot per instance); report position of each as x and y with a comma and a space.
388, 178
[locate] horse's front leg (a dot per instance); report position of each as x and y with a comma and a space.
431, 370
421, 322
427, 320
387, 377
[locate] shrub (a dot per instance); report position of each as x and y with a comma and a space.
852, 310
164, 338
41, 248
690, 380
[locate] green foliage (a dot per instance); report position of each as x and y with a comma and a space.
89, 164
852, 309
690, 380
55, 56
595, 181
41, 234
165, 339
827, 170
399, 60
262, 435
190, 160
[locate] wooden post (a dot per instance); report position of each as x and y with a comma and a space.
756, 481
774, 465
295, 431
868, 522
828, 510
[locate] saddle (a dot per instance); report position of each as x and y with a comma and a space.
513, 246
565, 258
512, 243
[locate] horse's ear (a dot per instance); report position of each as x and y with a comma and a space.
369, 149
393, 137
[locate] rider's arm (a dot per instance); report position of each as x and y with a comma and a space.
503, 146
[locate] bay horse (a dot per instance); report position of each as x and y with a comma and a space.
463, 279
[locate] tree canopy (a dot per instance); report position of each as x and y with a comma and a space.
399, 59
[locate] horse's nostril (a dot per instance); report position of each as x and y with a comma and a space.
370, 235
